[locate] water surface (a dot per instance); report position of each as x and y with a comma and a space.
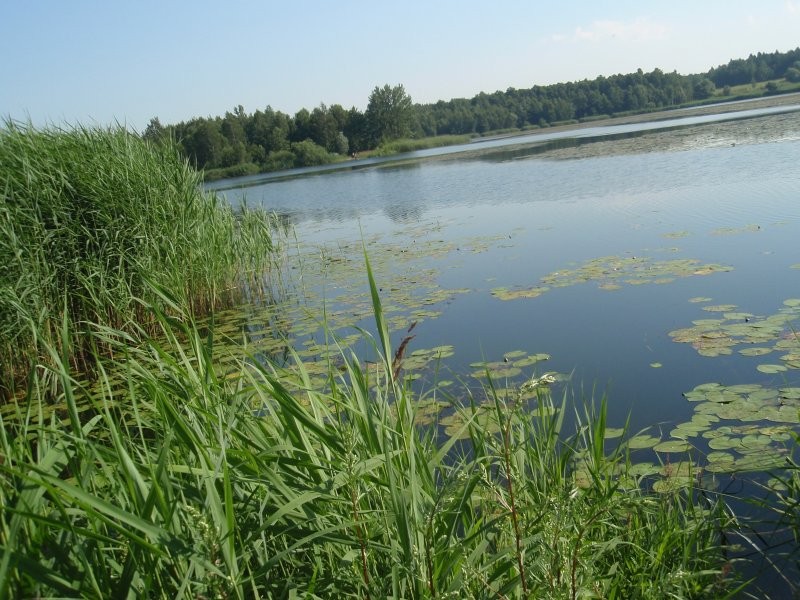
507, 222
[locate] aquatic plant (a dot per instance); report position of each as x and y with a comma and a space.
185, 483
92, 220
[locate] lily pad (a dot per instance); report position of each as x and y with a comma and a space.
771, 369
643, 441
725, 308
672, 484
757, 351
673, 446
643, 469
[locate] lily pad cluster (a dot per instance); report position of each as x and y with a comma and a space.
744, 427
759, 335
753, 227
735, 428
612, 272
510, 367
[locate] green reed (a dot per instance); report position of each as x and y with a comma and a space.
164, 477
234, 486
91, 219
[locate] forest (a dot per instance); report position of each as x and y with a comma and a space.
239, 143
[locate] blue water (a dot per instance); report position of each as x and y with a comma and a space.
550, 215
508, 219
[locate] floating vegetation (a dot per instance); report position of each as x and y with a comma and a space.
736, 230
751, 420
511, 366
715, 337
612, 272
420, 359
643, 441
723, 308
656, 365
670, 446
675, 235
495, 370
745, 427
771, 369
506, 294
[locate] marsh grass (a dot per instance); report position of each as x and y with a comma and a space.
184, 482
91, 221
411, 145
205, 486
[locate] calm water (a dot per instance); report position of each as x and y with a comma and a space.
444, 234
510, 221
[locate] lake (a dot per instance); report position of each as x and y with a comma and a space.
656, 265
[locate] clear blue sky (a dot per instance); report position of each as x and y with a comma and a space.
102, 61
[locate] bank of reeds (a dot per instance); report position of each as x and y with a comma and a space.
207, 486
412, 145
91, 220
183, 482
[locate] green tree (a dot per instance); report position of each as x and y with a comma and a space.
323, 128
793, 73
389, 113
203, 143
356, 130
155, 131
309, 154
704, 88
341, 144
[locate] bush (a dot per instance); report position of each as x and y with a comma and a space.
279, 160
309, 154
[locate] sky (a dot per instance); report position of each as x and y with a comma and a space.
100, 62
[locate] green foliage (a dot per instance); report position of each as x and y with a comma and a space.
341, 145
183, 483
309, 154
91, 219
276, 161
389, 113
704, 88
756, 67
406, 145
236, 170
221, 142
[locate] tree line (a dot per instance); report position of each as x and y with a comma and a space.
267, 140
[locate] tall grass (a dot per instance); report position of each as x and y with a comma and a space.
411, 145
90, 218
165, 478
209, 486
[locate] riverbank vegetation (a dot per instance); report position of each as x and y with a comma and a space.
133, 463
93, 223
175, 481
268, 140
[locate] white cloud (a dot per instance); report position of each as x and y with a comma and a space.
637, 30
792, 7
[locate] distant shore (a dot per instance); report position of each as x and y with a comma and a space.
669, 113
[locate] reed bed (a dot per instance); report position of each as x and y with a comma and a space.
412, 145
164, 477
92, 220
208, 486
